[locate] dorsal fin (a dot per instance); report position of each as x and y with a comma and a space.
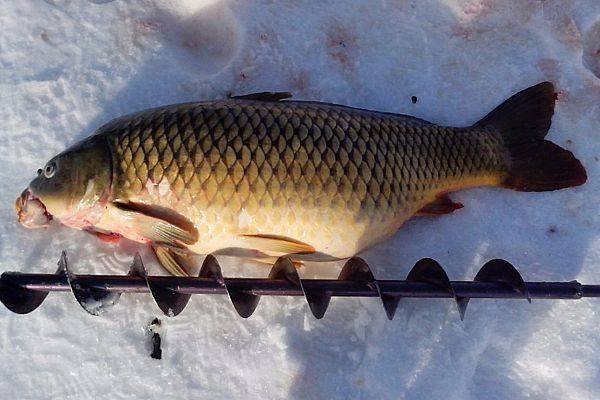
264, 96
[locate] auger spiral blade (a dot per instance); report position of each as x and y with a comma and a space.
497, 271
429, 271
243, 300
354, 270
170, 302
211, 270
19, 299
318, 300
24, 292
92, 299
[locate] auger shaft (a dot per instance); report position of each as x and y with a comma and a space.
281, 287
24, 292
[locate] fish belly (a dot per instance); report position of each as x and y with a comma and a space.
334, 235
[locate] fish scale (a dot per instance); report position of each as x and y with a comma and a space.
310, 162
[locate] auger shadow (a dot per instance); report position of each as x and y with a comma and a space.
427, 352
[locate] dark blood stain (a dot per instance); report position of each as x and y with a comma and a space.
300, 81
569, 142
191, 44
461, 31
549, 67
552, 229
414, 99
479, 9
341, 46
467, 33
149, 25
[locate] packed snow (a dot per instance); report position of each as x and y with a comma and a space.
66, 67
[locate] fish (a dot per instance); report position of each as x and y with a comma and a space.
269, 176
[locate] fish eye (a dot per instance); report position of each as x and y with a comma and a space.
49, 170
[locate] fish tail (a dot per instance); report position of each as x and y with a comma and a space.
535, 164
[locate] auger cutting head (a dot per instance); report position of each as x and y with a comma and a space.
22, 293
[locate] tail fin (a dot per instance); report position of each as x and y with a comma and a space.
536, 165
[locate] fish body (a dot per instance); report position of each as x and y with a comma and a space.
290, 177
337, 178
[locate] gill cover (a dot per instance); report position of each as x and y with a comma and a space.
74, 183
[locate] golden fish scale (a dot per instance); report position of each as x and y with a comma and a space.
315, 172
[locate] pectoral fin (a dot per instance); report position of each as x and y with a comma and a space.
158, 224
442, 204
278, 244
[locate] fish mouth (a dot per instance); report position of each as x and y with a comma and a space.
31, 211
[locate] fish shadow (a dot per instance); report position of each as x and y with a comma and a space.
426, 351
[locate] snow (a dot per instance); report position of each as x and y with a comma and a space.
66, 67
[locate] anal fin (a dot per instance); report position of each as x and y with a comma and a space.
269, 261
277, 244
442, 204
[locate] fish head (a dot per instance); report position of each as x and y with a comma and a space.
73, 188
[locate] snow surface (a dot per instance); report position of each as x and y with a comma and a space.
68, 66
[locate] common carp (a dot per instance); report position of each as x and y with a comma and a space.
272, 176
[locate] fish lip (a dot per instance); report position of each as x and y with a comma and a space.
21, 205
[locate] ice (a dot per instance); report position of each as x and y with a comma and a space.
66, 67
